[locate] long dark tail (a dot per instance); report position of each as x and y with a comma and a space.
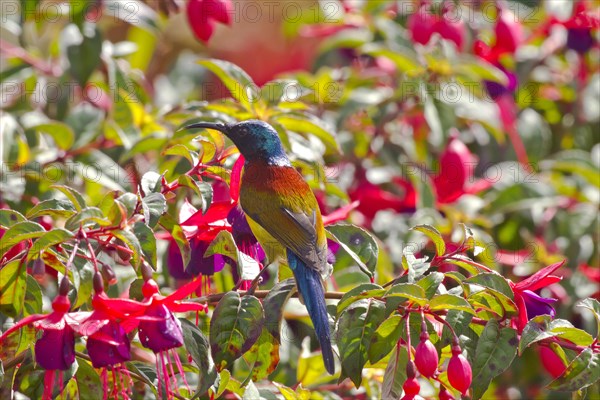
311, 288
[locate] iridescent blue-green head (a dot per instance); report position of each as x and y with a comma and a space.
256, 140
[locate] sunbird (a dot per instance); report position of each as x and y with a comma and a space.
283, 213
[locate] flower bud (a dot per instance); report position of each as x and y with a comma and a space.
445, 394
39, 268
63, 288
459, 371
149, 288
98, 282
426, 356
411, 388
108, 274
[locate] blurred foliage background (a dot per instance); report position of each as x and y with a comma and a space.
482, 113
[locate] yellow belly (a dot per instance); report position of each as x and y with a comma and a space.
274, 251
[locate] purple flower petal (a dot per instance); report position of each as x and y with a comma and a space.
104, 353
537, 305
163, 334
56, 349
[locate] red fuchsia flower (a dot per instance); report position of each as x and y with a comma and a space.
528, 302
160, 331
108, 344
424, 23
411, 386
204, 14
445, 394
552, 363
457, 164
460, 374
55, 349
426, 355
508, 32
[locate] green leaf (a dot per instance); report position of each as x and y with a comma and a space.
147, 241
50, 238
435, 236
594, 306
459, 321
404, 59
131, 240
10, 217
492, 281
154, 206
53, 208
151, 183
395, 374
88, 380
169, 223
18, 233
183, 151
263, 356
450, 302
495, 351
33, 297
83, 52
410, 291
63, 135
237, 81
197, 345
362, 291
274, 304
13, 282
308, 124
416, 267
85, 274
385, 338
544, 326
359, 245
431, 283
356, 325
235, 326
86, 217
223, 243
73, 195
583, 371
220, 384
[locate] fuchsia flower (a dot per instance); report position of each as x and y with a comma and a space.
160, 331
55, 349
528, 302
204, 14
201, 229
456, 173
424, 23
453, 180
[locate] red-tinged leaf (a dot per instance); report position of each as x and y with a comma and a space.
340, 214
538, 280
236, 174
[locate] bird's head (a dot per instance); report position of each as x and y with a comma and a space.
256, 140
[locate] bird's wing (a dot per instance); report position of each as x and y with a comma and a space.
284, 206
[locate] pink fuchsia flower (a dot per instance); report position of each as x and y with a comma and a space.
55, 350
204, 14
424, 23
161, 332
508, 32
455, 177
108, 344
528, 302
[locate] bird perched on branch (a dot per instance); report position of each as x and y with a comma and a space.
283, 214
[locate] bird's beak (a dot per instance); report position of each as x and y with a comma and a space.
208, 125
